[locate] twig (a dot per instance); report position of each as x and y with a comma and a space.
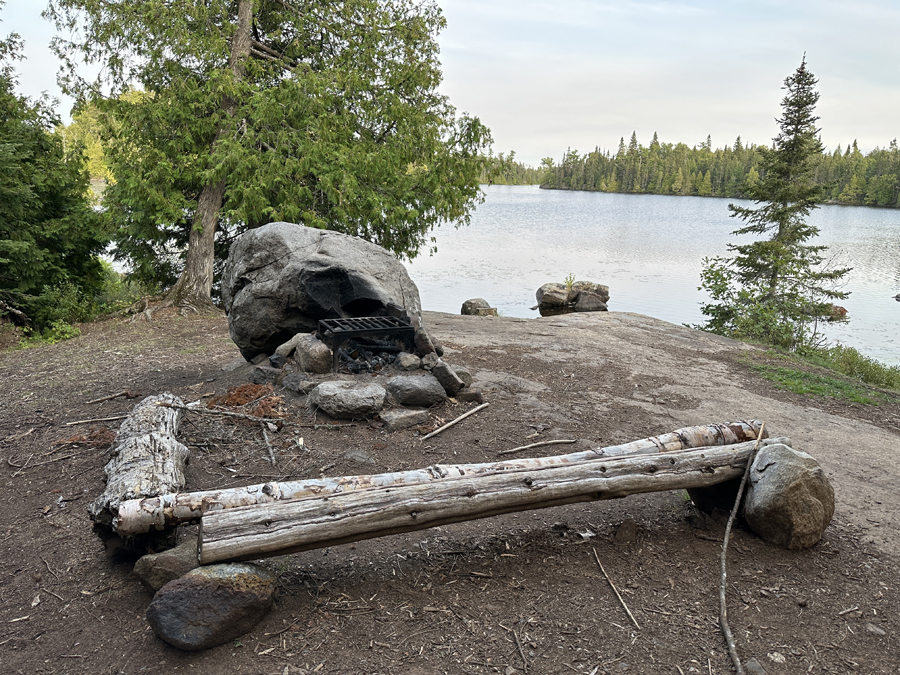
99, 419
457, 420
521, 651
723, 609
268, 444
18, 437
21, 468
535, 445
615, 590
126, 394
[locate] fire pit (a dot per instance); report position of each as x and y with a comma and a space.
337, 333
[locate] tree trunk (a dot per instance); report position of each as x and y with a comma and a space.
194, 287
147, 460
252, 532
167, 510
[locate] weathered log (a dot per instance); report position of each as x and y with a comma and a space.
251, 532
167, 510
146, 461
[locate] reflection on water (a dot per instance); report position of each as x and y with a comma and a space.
648, 249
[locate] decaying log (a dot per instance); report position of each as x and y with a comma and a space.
167, 510
279, 528
146, 461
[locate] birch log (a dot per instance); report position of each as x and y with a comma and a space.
251, 532
167, 510
146, 461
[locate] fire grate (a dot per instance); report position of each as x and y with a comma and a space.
337, 332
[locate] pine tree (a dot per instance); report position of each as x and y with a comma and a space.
775, 289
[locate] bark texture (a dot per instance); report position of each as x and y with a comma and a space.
167, 510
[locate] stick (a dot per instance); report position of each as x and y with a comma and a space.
615, 590
99, 419
535, 445
458, 419
521, 651
126, 394
723, 609
268, 445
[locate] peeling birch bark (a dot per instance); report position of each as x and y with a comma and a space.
168, 510
280, 528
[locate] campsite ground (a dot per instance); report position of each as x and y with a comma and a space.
514, 594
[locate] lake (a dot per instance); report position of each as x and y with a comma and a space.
648, 249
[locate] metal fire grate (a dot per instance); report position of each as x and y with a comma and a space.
337, 332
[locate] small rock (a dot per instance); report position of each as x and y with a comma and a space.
510, 671
347, 400
874, 630
470, 396
430, 360
312, 355
600, 290
417, 391
299, 383
477, 307
234, 365
211, 605
358, 455
627, 532
264, 375
776, 657
258, 359
397, 420
277, 360
589, 302
424, 345
448, 378
552, 295
802, 602
789, 499
155, 570
754, 667
464, 374
407, 361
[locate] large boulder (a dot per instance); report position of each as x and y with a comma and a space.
789, 499
580, 296
347, 400
282, 278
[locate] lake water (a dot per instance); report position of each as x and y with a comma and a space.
648, 249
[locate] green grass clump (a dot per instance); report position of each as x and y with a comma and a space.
848, 361
802, 382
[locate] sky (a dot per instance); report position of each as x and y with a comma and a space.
550, 75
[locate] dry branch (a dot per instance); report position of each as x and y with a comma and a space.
456, 421
144, 515
615, 590
279, 528
536, 445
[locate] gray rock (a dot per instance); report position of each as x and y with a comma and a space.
589, 302
589, 287
277, 360
470, 396
312, 355
264, 375
259, 359
430, 360
155, 570
477, 307
361, 456
282, 278
464, 374
298, 383
234, 365
288, 347
211, 605
347, 400
789, 499
418, 391
449, 380
552, 295
424, 343
754, 667
402, 418
874, 630
407, 361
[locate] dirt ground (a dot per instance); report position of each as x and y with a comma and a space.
514, 594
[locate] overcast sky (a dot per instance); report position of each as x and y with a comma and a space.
547, 75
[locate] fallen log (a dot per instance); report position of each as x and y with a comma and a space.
146, 461
167, 510
279, 528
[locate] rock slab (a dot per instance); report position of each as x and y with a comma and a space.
416, 391
790, 500
347, 400
282, 278
211, 605
397, 420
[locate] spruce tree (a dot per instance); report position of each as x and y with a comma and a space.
776, 289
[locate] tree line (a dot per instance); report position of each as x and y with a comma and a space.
846, 175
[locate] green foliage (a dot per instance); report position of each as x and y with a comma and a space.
334, 122
505, 170
803, 382
83, 135
49, 235
57, 331
776, 289
570, 280
850, 362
